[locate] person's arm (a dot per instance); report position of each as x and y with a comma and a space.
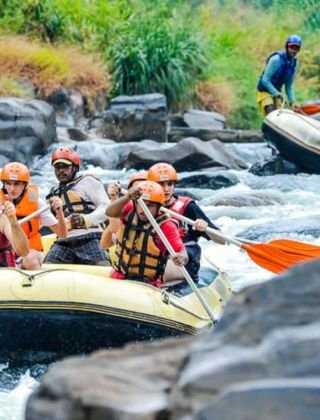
115, 208
171, 232
14, 232
90, 189
194, 212
269, 71
60, 228
290, 89
108, 236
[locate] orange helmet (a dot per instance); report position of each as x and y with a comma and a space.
138, 176
65, 155
162, 172
152, 192
15, 171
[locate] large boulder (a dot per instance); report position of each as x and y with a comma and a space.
261, 361
133, 118
189, 154
27, 128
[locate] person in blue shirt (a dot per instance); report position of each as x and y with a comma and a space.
280, 70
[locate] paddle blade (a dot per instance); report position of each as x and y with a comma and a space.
274, 259
310, 109
296, 247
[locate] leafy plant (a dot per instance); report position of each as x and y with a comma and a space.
157, 56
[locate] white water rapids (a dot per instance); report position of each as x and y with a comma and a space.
297, 197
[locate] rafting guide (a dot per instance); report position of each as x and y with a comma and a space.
280, 70
84, 203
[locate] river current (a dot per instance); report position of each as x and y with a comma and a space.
295, 196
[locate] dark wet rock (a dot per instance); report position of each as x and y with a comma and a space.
27, 128
69, 105
188, 155
195, 118
273, 166
133, 118
262, 357
213, 180
177, 134
284, 228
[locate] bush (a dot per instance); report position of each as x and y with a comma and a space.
159, 57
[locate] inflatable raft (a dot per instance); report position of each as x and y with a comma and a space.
74, 309
297, 137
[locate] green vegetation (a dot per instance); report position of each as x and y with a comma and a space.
207, 54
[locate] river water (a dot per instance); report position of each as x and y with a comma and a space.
296, 196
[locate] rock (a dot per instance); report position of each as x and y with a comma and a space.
195, 118
27, 128
273, 166
285, 228
133, 118
190, 154
262, 357
177, 134
213, 180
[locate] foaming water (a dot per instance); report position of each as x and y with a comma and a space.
16, 385
294, 196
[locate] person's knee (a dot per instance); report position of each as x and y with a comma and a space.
32, 261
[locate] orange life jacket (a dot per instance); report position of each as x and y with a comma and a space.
137, 256
27, 205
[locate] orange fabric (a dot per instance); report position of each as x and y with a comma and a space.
28, 205
280, 255
310, 109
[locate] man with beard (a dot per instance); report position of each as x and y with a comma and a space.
84, 205
281, 69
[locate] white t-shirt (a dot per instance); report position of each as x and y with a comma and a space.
46, 218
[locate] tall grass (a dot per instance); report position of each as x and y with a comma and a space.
157, 57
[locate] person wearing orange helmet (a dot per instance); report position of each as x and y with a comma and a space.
15, 178
13, 240
166, 176
108, 237
140, 253
84, 204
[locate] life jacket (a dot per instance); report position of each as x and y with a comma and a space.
137, 255
27, 205
72, 202
179, 207
7, 254
284, 72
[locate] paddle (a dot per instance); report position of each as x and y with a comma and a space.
34, 214
172, 253
275, 256
310, 109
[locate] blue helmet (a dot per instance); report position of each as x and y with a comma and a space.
294, 40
